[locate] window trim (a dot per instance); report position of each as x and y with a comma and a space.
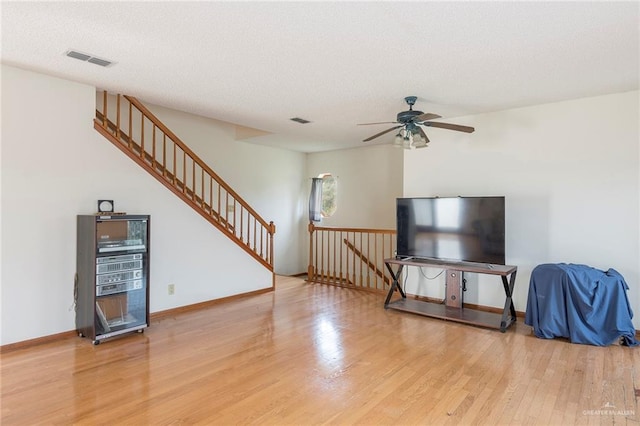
323, 176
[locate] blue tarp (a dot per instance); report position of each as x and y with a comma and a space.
581, 303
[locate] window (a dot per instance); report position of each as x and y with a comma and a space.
329, 194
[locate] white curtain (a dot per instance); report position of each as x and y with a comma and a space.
315, 200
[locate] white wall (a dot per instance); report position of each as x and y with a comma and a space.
55, 166
570, 172
369, 181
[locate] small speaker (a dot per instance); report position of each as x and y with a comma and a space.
105, 206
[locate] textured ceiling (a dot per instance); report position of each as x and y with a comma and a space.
258, 64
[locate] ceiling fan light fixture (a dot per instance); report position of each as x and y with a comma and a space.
418, 140
411, 135
421, 143
398, 140
406, 142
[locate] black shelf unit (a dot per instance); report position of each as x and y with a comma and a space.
112, 275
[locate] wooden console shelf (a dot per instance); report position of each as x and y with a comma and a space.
453, 308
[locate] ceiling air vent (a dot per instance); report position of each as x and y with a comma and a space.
299, 120
88, 58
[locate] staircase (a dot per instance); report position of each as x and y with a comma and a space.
350, 257
131, 127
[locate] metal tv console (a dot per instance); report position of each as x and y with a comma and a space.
453, 308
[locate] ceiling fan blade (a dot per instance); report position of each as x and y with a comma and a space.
423, 134
426, 116
381, 133
456, 127
382, 122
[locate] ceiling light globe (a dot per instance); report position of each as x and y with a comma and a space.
397, 141
406, 143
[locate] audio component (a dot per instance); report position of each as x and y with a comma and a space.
115, 274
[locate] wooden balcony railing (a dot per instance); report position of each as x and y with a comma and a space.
350, 257
131, 127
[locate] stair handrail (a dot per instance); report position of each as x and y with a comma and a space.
189, 195
193, 155
359, 266
379, 272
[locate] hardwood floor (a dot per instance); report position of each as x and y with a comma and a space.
315, 354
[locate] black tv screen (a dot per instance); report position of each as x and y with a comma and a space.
469, 229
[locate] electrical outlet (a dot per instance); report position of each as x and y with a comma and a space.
171, 289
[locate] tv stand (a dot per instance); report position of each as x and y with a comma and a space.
453, 307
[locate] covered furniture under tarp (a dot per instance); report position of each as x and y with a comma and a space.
581, 303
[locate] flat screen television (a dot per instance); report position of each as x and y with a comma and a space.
468, 229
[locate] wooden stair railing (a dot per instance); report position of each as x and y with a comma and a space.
160, 168
350, 257
379, 272
147, 141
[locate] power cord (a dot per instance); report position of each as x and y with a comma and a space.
406, 277
425, 275
74, 305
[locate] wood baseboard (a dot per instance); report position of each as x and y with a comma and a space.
37, 341
483, 308
155, 316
